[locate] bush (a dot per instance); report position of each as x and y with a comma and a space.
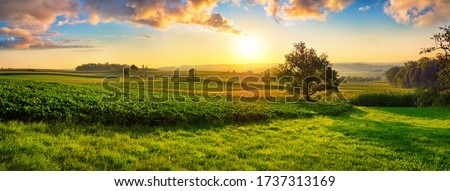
433, 96
394, 99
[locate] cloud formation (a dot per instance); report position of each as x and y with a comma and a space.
300, 9
419, 13
28, 21
159, 13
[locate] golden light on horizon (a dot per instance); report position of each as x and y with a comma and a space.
249, 47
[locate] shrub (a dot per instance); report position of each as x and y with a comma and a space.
393, 99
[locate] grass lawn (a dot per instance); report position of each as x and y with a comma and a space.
361, 139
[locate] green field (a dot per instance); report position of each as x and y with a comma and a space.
61, 126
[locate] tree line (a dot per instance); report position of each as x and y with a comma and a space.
417, 74
110, 67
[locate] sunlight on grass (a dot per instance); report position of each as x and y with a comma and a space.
364, 139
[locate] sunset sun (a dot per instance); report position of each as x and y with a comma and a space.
249, 47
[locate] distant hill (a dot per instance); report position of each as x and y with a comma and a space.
223, 67
353, 69
363, 69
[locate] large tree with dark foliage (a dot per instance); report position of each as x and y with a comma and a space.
310, 72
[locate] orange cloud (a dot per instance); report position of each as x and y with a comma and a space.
301, 9
159, 13
16, 38
28, 21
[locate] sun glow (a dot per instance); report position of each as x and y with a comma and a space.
249, 47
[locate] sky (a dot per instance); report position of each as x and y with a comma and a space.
66, 33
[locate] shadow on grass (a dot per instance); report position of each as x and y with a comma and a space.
429, 145
133, 130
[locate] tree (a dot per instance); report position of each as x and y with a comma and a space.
100, 67
134, 68
429, 69
391, 73
307, 68
442, 40
437, 71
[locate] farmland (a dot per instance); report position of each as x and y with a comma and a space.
59, 122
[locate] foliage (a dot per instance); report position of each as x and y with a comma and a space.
444, 73
442, 40
433, 96
386, 99
306, 67
391, 73
100, 67
415, 74
134, 68
57, 102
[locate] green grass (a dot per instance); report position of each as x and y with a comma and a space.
364, 139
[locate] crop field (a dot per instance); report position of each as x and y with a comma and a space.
70, 122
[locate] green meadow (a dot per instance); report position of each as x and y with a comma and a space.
56, 122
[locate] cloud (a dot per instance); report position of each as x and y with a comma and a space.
72, 41
301, 9
22, 39
146, 36
71, 22
36, 15
159, 13
29, 21
16, 38
87, 50
365, 8
419, 13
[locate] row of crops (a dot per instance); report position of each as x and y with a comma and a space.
33, 101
